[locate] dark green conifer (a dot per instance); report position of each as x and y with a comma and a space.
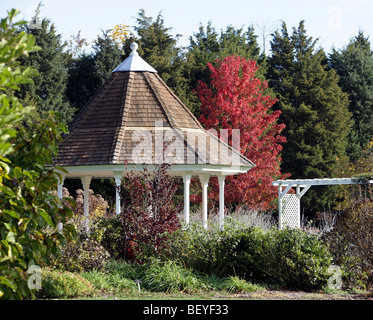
207, 45
49, 88
88, 72
158, 47
314, 109
354, 65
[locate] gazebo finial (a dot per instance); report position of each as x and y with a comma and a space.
134, 62
134, 47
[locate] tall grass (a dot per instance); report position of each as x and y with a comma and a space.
242, 217
157, 276
171, 277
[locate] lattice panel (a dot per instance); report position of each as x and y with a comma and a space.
290, 211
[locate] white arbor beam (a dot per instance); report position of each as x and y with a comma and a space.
204, 183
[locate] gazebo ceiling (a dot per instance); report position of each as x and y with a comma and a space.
132, 112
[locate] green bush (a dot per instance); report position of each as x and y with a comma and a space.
291, 258
199, 249
62, 284
126, 269
29, 212
351, 242
295, 259
113, 237
86, 251
82, 254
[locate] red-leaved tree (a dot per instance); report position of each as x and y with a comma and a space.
149, 213
235, 99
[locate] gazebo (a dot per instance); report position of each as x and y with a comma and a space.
135, 120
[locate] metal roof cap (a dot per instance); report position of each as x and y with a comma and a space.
134, 62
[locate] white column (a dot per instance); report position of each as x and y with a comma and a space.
204, 183
280, 207
221, 200
60, 187
118, 180
60, 195
186, 179
86, 180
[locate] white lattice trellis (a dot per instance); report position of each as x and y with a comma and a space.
290, 211
289, 204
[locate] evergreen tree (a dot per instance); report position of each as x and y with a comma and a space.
314, 108
159, 48
354, 65
88, 72
49, 88
82, 82
107, 56
207, 45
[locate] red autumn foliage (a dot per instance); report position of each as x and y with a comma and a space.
235, 99
149, 213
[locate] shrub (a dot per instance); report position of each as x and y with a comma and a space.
295, 259
198, 249
58, 284
85, 252
113, 236
291, 258
29, 213
351, 242
82, 254
97, 204
126, 269
149, 213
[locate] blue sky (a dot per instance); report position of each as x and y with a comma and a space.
334, 22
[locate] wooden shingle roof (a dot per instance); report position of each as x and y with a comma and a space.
130, 101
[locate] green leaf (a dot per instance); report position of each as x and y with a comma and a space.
12, 213
7, 191
11, 237
46, 217
22, 224
18, 173
10, 284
